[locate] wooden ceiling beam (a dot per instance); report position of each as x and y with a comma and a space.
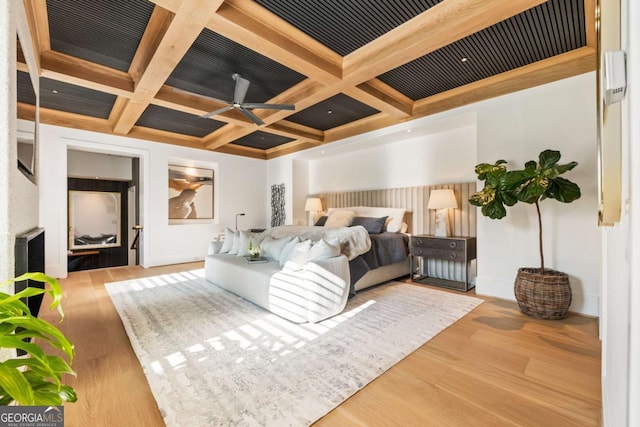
295, 130
172, 138
288, 148
72, 120
590, 23
558, 67
76, 71
38, 22
382, 97
254, 27
153, 33
240, 150
445, 23
188, 22
367, 124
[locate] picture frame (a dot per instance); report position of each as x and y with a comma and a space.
94, 219
191, 194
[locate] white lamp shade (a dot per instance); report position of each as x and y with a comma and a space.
442, 199
313, 204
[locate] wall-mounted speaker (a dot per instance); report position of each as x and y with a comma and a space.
614, 76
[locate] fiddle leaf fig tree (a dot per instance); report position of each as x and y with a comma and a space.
536, 182
36, 379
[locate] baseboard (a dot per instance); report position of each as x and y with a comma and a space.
499, 288
157, 262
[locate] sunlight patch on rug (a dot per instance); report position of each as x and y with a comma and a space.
212, 358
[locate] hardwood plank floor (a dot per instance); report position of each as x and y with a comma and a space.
494, 367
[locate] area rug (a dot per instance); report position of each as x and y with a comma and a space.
214, 359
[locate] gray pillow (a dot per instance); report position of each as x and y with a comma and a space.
372, 225
320, 222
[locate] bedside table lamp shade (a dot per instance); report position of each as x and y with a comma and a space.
313, 205
441, 200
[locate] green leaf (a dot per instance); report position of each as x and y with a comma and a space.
565, 168
563, 190
494, 210
548, 158
53, 334
15, 385
531, 164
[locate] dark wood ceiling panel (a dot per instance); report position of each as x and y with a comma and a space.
344, 26
25, 89
57, 95
553, 28
175, 121
335, 111
261, 140
106, 32
212, 60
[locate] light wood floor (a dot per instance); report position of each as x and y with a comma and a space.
495, 367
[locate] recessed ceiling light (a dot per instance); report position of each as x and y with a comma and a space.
408, 130
329, 111
465, 59
54, 91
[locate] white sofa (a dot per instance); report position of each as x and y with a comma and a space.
312, 292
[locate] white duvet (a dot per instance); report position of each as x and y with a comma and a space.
353, 241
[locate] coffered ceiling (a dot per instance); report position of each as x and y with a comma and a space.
150, 69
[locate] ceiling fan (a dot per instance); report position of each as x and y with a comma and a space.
240, 91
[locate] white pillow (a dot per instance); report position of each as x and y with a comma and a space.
228, 241
300, 253
339, 218
243, 246
286, 250
271, 248
323, 250
236, 243
307, 251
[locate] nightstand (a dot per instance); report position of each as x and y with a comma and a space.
456, 249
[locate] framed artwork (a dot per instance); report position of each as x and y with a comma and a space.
190, 193
94, 219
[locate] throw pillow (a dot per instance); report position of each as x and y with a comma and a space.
243, 246
372, 225
300, 253
228, 241
323, 250
321, 221
236, 243
271, 248
286, 250
339, 218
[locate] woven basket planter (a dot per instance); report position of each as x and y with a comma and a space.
545, 296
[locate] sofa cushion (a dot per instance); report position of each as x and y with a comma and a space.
227, 244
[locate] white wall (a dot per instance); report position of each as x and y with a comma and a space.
240, 188
517, 127
433, 158
84, 164
446, 147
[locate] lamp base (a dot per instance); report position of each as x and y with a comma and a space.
442, 223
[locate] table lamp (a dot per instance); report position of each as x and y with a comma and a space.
442, 200
313, 205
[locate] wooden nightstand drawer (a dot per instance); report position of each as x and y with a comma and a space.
438, 253
438, 243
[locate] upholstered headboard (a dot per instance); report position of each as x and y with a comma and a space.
419, 219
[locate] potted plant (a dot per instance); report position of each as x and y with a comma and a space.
540, 292
37, 378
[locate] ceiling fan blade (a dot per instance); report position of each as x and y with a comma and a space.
252, 116
242, 85
251, 105
216, 112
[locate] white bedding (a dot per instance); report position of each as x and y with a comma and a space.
353, 241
